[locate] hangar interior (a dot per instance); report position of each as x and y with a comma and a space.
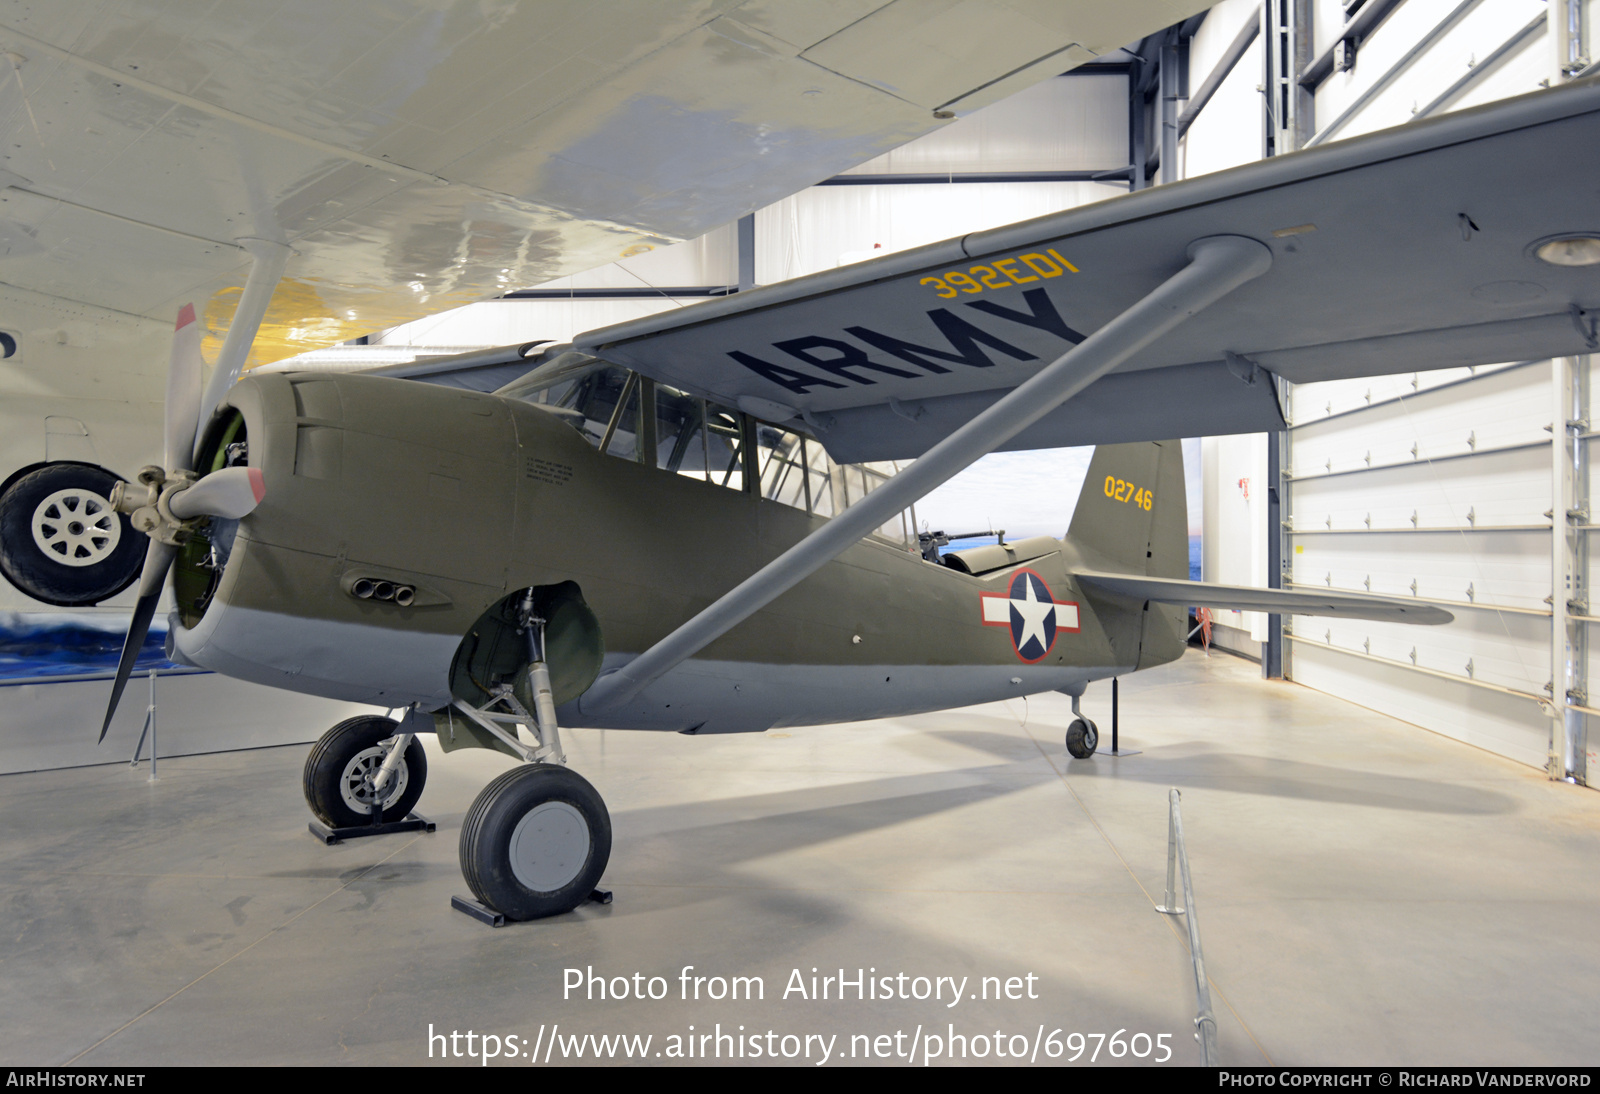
1435, 485
1372, 892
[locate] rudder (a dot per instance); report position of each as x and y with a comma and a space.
1133, 515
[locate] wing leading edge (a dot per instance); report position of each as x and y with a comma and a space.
1203, 594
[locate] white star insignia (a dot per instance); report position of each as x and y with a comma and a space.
1034, 612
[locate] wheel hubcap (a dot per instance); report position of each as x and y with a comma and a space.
549, 846
76, 527
355, 786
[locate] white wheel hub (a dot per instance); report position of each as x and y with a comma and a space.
549, 846
355, 785
76, 527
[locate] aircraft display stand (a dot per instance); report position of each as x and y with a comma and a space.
413, 822
1117, 753
485, 914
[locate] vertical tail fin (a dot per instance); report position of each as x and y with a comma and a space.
1133, 510
1133, 518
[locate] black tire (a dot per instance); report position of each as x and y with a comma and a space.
1083, 736
334, 770
53, 514
562, 836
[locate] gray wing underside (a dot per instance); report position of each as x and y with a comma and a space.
1404, 250
1203, 594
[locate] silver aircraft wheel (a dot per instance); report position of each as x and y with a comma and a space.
549, 846
76, 527
335, 779
355, 785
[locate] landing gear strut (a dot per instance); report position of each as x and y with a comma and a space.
536, 841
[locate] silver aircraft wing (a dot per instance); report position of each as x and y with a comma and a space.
1420, 247
1205, 594
404, 157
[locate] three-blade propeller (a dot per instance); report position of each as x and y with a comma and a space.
173, 496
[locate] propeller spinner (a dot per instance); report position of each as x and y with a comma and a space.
165, 503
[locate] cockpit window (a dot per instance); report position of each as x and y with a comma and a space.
634, 418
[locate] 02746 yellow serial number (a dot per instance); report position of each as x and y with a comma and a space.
1126, 491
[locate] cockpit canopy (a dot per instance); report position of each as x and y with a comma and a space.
634, 418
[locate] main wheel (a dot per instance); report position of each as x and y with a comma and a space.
337, 774
535, 842
60, 540
1082, 737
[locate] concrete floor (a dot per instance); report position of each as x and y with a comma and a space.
1368, 893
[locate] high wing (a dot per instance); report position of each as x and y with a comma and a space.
1205, 594
395, 158
1408, 249
1417, 247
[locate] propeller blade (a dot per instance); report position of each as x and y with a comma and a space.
156, 562
183, 392
231, 492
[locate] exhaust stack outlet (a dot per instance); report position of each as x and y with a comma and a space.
362, 588
383, 590
404, 595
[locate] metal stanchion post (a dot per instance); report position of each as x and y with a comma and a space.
151, 717
1169, 902
1178, 855
1205, 1022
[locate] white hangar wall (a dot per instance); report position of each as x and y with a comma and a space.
1450, 509
1448, 486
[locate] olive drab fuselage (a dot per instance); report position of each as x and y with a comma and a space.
462, 498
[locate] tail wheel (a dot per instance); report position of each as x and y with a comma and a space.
1082, 738
535, 842
60, 540
337, 776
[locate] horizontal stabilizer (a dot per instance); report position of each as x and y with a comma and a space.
1243, 598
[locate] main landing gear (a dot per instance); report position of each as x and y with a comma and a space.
1083, 736
536, 841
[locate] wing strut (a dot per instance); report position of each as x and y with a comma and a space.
1217, 265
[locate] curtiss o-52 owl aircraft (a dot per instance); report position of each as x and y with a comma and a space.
641, 529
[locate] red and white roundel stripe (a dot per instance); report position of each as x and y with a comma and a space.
1031, 612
